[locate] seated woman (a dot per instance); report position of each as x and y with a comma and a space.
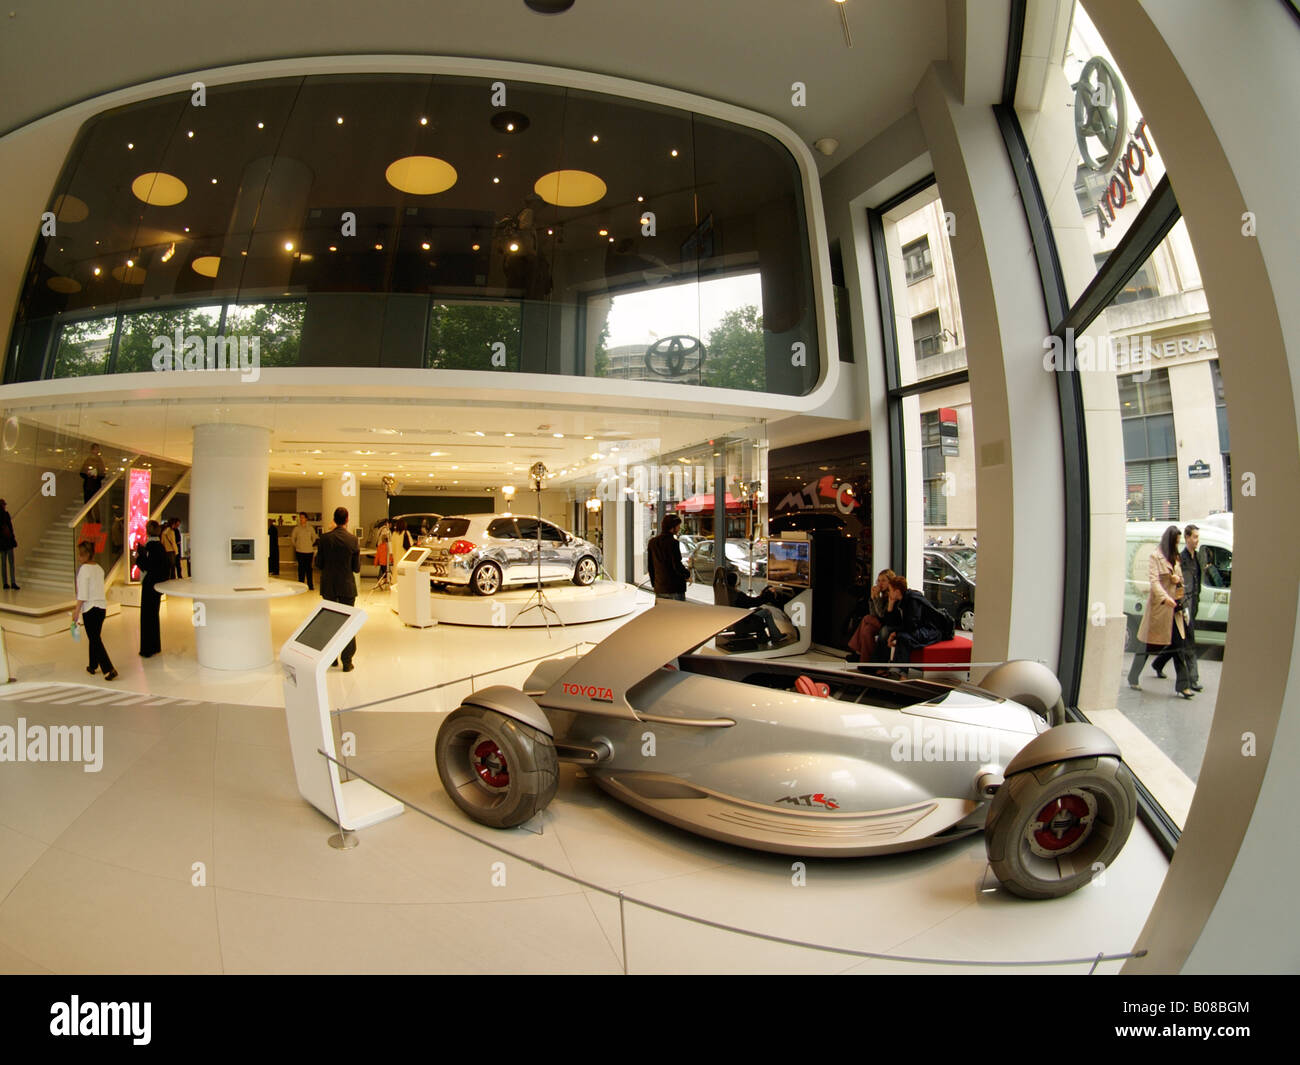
914, 622
862, 644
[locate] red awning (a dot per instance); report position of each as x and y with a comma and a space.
701, 503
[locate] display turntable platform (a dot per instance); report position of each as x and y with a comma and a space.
575, 606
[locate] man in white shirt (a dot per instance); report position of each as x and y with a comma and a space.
304, 543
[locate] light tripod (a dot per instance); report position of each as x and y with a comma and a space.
538, 600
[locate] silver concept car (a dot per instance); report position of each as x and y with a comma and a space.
488, 552
784, 758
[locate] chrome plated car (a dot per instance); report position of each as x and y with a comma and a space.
799, 760
489, 552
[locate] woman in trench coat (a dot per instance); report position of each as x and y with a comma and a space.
1163, 623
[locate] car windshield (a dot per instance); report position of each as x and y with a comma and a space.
450, 527
964, 561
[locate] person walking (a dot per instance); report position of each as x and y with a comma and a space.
663, 559
152, 560
304, 541
8, 541
338, 557
92, 607
1164, 625
93, 472
168, 540
1191, 565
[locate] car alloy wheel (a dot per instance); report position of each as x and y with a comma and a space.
487, 579
585, 572
489, 764
966, 619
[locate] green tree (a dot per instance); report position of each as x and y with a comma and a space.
461, 336
736, 356
83, 347
277, 326
602, 350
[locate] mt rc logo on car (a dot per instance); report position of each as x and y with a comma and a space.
816, 799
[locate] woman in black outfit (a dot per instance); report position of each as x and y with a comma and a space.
156, 568
913, 622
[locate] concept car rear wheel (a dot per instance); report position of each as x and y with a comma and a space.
486, 580
584, 573
496, 769
1054, 827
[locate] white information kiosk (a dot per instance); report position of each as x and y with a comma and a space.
314, 645
414, 603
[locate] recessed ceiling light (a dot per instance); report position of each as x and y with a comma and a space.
510, 122
423, 121
65, 285
379, 247
421, 175
570, 188
595, 138
190, 133
288, 245
549, 7
589, 438
129, 146
510, 434
558, 436
496, 181
425, 245
514, 245
158, 189
261, 125
673, 153
334, 247
473, 247
339, 120
604, 232
70, 209
640, 199
97, 271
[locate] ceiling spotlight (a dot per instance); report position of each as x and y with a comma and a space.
334, 247
261, 125
130, 146
339, 120
425, 245
474, 247
288, 245
190, 134
673, 153
514, 245
424, 121
595, 138
549, 7
604, 232
510, 121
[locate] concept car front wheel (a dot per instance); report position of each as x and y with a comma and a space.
1051, 829
585, 571
496, 769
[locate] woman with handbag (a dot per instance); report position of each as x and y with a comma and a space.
1164, 623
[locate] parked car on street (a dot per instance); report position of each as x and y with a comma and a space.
488, 552
950, 584
1215, 556
746, 561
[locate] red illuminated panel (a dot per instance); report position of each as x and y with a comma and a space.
137, 512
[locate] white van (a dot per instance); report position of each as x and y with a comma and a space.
1215, 556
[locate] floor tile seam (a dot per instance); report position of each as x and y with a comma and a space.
397, 903
587, 894
183, 879
45, 849
27, 958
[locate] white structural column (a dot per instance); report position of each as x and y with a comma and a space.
1217, 83
1013, 399
340, 490
228, 502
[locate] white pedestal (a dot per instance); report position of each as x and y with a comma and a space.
232, 629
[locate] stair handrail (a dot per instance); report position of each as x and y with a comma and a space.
115, 572
93, 501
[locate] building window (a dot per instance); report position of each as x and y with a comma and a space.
1141, 286
927, 334
933, 467
1150, 448
916, 261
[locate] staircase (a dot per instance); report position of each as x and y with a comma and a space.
52, 566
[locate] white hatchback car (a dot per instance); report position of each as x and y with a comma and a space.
490, 551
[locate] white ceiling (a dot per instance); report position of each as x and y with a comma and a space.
373, 439
744, 52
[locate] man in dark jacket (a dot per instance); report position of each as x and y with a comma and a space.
664, 561
155, 567
338, 557
1191, 566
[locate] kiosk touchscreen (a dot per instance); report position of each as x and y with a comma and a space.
305, 658
414, 603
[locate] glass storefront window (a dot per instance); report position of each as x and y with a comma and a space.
419, 221
1096, 158
1161, 355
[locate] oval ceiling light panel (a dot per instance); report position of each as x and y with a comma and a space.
66, 285
207, 265
421, 175
129, 275
549, 7
70, 209
159, 189
570, 188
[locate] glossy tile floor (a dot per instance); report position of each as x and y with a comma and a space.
191, 851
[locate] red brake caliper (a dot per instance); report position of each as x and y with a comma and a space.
490, 764
1061, 823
